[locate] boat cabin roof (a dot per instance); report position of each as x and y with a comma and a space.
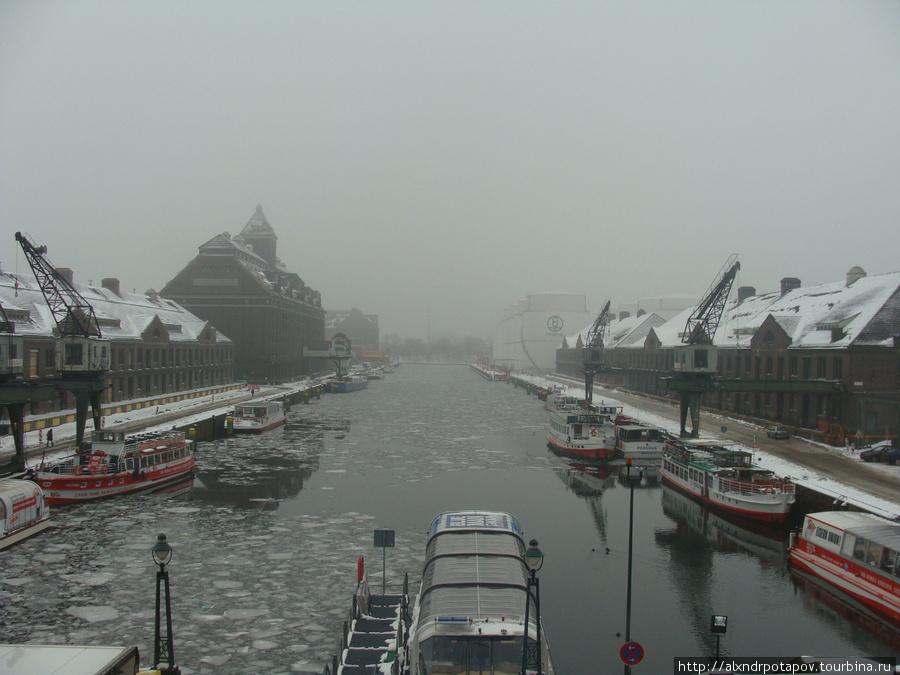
866, 525
15, 490
490, 521
474, 570
712, 455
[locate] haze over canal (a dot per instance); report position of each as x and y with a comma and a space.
266, 543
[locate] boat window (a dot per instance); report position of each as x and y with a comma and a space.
873, 557
507, 656
454, 655
2, 511
888, 560
445, 655
129, 464
859, 549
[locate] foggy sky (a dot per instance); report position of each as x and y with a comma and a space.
445, 159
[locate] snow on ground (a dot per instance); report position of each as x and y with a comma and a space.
66, 432
798, 474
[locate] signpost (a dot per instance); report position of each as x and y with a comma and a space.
631, 653
384, 539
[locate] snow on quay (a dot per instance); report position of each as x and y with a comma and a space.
800, 475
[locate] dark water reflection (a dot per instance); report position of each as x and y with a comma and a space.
267, 542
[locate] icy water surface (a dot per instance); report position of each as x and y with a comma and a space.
267, 539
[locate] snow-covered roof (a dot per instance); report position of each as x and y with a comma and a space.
121, 317
622, 332
833, 315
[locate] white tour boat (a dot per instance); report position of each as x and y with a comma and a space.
857, 553
727, 479
586, 434
638, 441
255, 417
117, 464
470, 613
22, 510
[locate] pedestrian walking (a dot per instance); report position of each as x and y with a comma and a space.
49, 437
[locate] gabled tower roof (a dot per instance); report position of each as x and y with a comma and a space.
258, 226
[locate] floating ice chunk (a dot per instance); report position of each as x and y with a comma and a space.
88, 579
18, 581
50, 557
183, 509
94, 613
224, 583
263, 645
280, 556
245, 613
216, 660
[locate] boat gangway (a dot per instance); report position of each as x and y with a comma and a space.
375, 636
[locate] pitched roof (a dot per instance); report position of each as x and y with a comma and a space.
832, 315
122, 317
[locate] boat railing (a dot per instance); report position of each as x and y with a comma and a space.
75, 466
743, 487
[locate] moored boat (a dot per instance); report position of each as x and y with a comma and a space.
348, 383
117, 464
726, 478
561, 400
638, 441
470, 615
22, 511
256, 417
375, 373
857, 553
584, 433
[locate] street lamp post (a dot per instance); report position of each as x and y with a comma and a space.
718, 624
162, 554
531, 652
632, 479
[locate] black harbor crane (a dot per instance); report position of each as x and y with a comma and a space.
82, 353
696, 359
592, 361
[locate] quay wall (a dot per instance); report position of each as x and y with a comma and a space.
36, 422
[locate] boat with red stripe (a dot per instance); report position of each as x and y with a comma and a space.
115, 465
587, 433
857, 553
726, 478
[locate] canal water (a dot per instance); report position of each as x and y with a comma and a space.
268, 535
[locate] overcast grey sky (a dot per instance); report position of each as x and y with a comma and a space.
456, 156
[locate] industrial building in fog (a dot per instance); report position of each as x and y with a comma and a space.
531, 330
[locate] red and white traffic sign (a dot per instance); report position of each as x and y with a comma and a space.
631, 653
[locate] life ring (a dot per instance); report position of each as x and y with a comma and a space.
92, 469
76, 469
104, 468
769, 490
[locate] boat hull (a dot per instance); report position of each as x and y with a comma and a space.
18, 535
240, 426
875, 591
341, 387
579, 449
74, 489
768, 509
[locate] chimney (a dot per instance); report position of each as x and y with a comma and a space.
67, 274
745, 292
854, 274
153, 295
111, 284
641, 313
789, 284
624, 315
